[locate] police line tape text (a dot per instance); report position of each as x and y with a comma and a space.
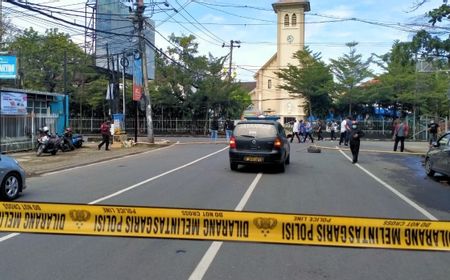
344, 234
171, 226
30, 220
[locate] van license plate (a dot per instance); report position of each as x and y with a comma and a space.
253, 159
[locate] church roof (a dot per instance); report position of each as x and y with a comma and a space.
274, 57
284, 3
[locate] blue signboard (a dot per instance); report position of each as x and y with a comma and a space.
8, 67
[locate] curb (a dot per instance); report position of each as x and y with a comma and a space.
91, 162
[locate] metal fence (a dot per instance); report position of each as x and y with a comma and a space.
374, 128
18, 133
167, 126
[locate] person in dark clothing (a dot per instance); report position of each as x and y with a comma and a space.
319, 130
229, 127
355, 137
433, 128
106, 133
400, 133
214, 128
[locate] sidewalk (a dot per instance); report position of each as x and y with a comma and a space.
418, 147
89, 153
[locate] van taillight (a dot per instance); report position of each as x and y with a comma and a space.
233, 142
277, 143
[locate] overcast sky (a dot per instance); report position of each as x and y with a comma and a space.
329, 25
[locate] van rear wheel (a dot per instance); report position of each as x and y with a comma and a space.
233, 166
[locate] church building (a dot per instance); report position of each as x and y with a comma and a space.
267, 98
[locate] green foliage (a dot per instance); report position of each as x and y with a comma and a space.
41, 59
438, 14
197, 86
404, 89
312, 81
350, 71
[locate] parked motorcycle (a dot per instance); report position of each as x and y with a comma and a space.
67, 142
47, 143
76, 140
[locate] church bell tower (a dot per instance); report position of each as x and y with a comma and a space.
291, 29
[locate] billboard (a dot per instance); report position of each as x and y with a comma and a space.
116, 35
8, 67
13, 103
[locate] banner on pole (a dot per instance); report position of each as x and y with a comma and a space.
137, 79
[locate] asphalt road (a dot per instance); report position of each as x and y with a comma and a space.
198, 176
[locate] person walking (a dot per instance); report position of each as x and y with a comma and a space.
400, 133
308, 130
295, 131
343, 132
433, 128
229, 127
106, 134
333, 129
319, 130
348, 129
355, 139
214, 128
301, 129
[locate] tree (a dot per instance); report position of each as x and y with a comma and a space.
41, 59
7, 32
404, 88
311, 80
350, 71
191, 86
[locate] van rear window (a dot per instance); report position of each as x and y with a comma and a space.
255, 129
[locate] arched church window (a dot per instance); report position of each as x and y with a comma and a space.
269, 84
286, 20
294, 20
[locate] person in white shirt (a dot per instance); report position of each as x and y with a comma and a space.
343, 132
295, 131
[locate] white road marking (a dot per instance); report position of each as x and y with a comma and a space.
212, 251
6, 237
9, 236
392, 189
155, 177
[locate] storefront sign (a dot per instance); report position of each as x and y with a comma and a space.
13, 103
8, 67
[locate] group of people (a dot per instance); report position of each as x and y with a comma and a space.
303, 129
350, 133
228, 127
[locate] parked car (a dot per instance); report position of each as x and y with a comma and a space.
438, 157
259, 142
12, 178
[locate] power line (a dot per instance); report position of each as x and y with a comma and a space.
201, 25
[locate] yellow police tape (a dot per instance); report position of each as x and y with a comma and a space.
216, 225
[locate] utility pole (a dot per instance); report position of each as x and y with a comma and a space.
65, 103
231, 46
1, 23
142, 50
109, 93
